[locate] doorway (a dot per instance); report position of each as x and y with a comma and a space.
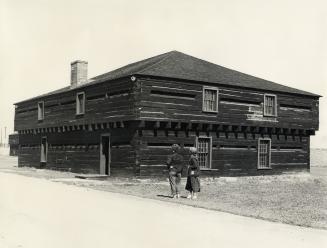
105, 154
44, 152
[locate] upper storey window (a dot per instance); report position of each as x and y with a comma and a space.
210, 99
270, 105
40, 111
80, 103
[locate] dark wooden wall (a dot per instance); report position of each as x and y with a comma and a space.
144, 152
79, 151
232, 153
104, 102
182, 101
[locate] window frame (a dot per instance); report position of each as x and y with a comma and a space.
264, 105
40, 117
210, 150
269, 155
203, 98
45, 151
78, 111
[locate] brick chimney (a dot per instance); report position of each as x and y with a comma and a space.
78, 73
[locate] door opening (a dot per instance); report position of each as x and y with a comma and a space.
105, 155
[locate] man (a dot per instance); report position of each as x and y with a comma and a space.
175, 167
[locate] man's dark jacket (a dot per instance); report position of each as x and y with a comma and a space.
175, 162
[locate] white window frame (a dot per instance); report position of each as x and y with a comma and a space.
78, 110
203, 98
269, 154
210, 150
40, 111
45, 151
264, 105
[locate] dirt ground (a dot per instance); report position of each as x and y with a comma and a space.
38, 213
297, 199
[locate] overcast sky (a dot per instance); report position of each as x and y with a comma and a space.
283, 41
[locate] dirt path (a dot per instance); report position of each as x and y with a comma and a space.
40, 213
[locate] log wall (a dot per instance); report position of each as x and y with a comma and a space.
232, 153
113, 101
182, 101
79, 151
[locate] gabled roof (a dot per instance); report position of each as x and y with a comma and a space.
177, 65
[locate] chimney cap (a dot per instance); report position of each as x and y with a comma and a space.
78, 61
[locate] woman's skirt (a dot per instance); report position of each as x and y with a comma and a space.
193, 184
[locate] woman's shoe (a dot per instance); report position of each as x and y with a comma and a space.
194, 197
189, 196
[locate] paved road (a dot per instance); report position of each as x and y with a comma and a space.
40, 213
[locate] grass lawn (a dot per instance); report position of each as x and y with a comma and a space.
293, 199
298, 199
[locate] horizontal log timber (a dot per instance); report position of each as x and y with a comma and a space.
163, 125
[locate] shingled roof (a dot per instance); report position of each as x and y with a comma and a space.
177, 65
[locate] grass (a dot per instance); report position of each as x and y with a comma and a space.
293, 199
297, 199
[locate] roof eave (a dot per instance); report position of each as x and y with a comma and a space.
304, 93
91, 83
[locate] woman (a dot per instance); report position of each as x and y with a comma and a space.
193, 181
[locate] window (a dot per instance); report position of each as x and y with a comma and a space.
204, 147
270, 105
44, 150
40, 111
80, 103
210, 99
264, 153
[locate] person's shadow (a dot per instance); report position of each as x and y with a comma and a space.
168, 196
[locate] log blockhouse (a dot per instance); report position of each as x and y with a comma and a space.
122, 123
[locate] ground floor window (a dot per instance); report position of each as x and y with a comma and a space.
264, 153
44, 150
204, 147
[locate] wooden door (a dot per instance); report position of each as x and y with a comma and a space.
204, 147
105, 154
44, 151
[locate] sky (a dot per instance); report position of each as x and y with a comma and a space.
283, 41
